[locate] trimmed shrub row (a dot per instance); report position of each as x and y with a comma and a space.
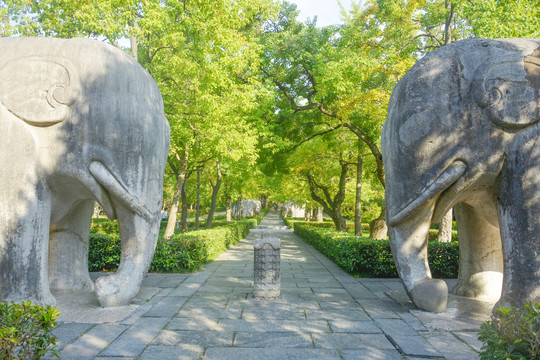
182, 252
327, 223
366, 257
512, 333
432, 236
25, 330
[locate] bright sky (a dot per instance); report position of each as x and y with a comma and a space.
328, 12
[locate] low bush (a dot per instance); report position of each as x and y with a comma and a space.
512, 333
25, 330
104, 252
367, 257
182, 252
433, 235
104, 226
325, 224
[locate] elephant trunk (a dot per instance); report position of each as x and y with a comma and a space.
408, 240
139, 229
409, 230
138, 243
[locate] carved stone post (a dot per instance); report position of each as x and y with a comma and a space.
267, 278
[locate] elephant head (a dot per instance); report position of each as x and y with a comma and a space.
84, 122
454, 120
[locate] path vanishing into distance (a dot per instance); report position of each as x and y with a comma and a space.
323, 313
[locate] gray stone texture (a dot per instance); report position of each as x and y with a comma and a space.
266, 266
214, 325
65, 107
250, 207
294, 209
461, 133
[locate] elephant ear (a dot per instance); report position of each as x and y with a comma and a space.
39, 90
508, 88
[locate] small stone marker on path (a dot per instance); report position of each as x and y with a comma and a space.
267, 278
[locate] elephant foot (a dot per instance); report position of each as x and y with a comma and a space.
430, 295
115, 290
486, 286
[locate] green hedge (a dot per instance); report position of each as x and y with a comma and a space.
104, 226
366, 257
289, 221
182, 252
26, 330
434, 235
512, 333
327, 223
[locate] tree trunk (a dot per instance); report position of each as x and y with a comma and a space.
173, 211
184, 209
228, 205
339, 221
331, 206
445, 228
307, 215
215, 191
198, 203
239, 208
320, 214
358, 205
180, 182
264, 201
134, 47
377, 228
448, 23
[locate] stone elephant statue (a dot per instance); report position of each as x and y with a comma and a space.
462, 131
81, 121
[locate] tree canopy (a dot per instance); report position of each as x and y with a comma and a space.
268, 105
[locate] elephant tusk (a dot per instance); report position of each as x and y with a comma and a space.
447, 178
118, 190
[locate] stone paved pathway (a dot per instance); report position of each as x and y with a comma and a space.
323, 314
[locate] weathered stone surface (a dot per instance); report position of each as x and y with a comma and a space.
461, 132
81, 122
249, 207
294, 209
266, 267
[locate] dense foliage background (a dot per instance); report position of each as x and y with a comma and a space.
264, 106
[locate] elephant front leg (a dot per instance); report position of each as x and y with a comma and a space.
519, 218
68, 251
480, 256
24, 242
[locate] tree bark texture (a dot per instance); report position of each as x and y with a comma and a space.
198, 203
215, 191
180, 181
377, 228
320, 214
358, 200
183, 218
331, 206
228, 205
445, 228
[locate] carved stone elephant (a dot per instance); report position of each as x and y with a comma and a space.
81, 121
462, 131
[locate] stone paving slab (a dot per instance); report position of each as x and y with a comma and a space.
323, 313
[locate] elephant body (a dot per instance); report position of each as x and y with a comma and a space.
462, 132
81, 122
